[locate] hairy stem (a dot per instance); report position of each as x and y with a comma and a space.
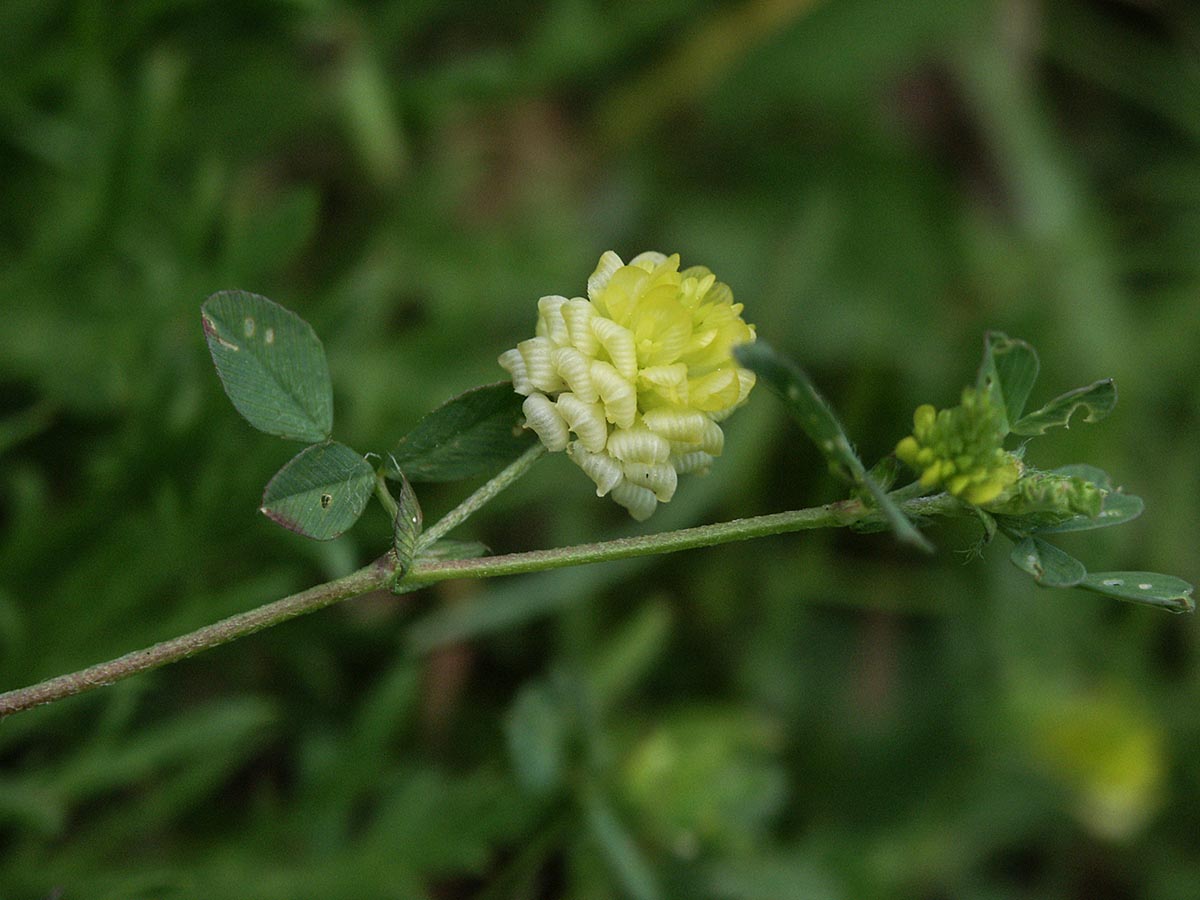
382, 573
476, 501
370, 578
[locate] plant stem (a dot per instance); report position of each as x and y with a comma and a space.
475, 502
382, 572
386, 500
848, 512
365, 580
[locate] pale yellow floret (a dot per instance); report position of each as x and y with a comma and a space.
542, 417
618, 343
511, 361
585, 419
640, 501
605, 471
578, 315
539, 365
660, 478
550, 320
677, 423
638, 444
696, 462
616, 393
712, 441
576, 370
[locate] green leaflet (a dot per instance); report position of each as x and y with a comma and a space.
271, 364
1097, 400
472, 434
1049, 566
321, 492
1008, 370
1149, 588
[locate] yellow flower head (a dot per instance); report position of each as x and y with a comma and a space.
961, 448
632, 381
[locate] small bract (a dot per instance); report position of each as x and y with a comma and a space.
633, 381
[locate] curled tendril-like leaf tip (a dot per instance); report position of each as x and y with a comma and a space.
633, 380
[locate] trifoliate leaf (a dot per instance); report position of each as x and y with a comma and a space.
472, 434
1097, 400
321, 492
271, 363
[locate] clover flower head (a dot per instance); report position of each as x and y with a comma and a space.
962, 448
633, 380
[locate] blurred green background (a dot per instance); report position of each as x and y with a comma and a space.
814, 716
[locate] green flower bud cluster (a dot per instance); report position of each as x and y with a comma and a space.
1062, 496
961, 448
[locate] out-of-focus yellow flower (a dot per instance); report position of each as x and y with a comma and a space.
633, 380
961, 448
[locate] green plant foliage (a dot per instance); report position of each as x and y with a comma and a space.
407, 525
1049, 566
1117, 509
1010, 369
272, 365
1096, 400
816, 418
537, 731
321, 492
472, 434
450, 548
1150, 588
879, 181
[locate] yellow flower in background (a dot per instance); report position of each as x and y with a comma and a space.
962, 448
633, 380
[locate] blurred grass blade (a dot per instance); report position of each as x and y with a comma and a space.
1149, 588
1097, 400
536, 730
815, 416
407, 526
1117, 510
472, 434
1049, 566
1009, 367
629, 867
272, 365
321, 492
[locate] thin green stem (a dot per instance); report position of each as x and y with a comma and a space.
834, 515
386, 500
476, 501
382, 573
